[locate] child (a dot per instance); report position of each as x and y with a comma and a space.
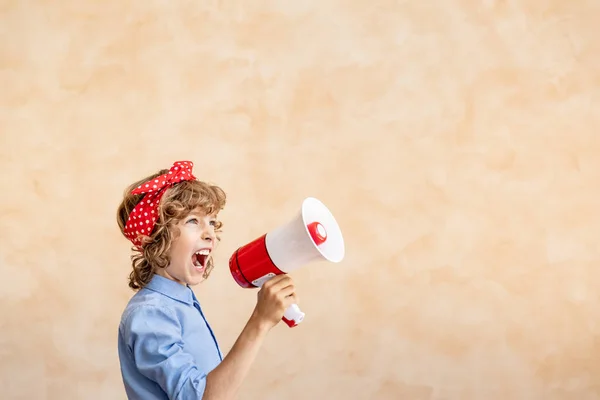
167, 349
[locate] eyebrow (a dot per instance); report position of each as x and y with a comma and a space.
198, 215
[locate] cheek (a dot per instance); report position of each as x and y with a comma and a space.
178, 250
186, 243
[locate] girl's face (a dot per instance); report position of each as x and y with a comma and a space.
191, 250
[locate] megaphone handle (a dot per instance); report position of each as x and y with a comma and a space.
293, 316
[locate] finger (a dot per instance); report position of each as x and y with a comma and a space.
274, 280
296, 298
280, 284
291, 299
286, 291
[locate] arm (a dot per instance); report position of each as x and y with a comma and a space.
159, 353
275, 296
225, 380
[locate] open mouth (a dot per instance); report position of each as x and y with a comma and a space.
200, 258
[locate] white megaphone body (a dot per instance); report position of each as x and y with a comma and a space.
312, 235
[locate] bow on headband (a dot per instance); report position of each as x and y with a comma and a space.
143, 217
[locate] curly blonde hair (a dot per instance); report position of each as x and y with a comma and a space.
177, 203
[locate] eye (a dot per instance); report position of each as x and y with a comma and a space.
213, 222
192, 220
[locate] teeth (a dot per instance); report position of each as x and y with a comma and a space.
201, 257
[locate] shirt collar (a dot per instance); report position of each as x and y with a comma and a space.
171, 289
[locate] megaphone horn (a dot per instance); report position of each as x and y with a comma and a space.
313, 234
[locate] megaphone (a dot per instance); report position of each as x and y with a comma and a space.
312, 235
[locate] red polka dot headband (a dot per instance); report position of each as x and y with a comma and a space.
143, 217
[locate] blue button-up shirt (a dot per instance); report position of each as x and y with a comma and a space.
166, 347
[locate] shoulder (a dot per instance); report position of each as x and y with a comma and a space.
147, 311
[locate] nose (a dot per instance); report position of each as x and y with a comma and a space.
208, 235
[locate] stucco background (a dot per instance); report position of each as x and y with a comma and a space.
457, 142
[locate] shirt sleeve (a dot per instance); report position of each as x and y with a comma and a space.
153, 334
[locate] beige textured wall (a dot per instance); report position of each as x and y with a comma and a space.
457, 142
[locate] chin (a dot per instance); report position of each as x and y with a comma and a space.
196, 278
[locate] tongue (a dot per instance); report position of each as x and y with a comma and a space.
198, 260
